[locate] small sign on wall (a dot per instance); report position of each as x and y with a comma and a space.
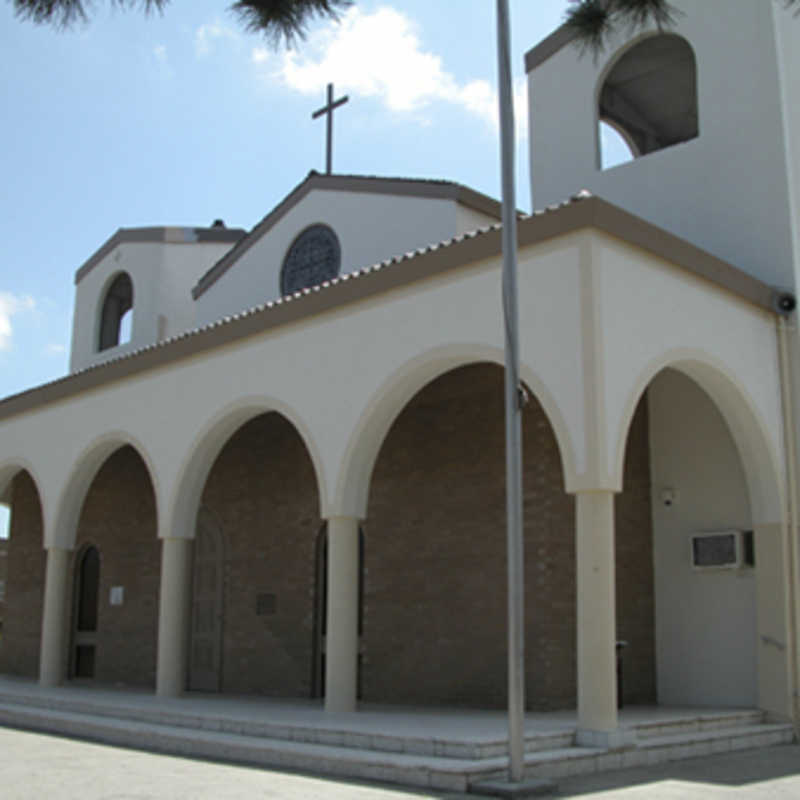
266, 604
117, 595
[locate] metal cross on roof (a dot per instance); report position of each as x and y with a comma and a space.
328, 109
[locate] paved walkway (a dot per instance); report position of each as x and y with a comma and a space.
37, 766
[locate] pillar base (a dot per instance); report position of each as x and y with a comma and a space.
610, 740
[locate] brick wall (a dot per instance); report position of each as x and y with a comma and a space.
435, 597
119, 519
19, 650
263, 491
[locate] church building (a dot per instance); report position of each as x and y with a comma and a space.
277, 465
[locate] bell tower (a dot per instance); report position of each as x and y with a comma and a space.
710, 112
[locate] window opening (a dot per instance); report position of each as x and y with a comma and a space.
314, 257
117, 313
614, 150
125, 325
650, 98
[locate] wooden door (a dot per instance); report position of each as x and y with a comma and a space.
205, 669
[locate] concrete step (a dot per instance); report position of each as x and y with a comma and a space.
464, 748
419, 770
697, 721
425, 770
656, 750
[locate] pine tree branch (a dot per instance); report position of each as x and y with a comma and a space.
285, 20
64, 14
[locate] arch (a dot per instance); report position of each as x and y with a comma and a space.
381, 410
196, 466
759, 456
62, 533
116, 303
9, 470
648, 93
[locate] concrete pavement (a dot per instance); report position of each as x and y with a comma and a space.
39, 766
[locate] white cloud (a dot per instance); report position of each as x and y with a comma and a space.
160, 53
10, 305
379, 55
55, 349
207, 35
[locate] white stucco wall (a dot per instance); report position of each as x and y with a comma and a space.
468, 219
181, 268
652, 315
706, 641
786, 32
162, 273
370, 227
726, 191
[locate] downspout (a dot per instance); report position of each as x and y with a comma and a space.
786, 377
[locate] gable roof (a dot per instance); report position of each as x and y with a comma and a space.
580, 212
408, 187
169, 234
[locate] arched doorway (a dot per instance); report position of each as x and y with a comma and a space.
24, 577
262, 492
435, 590
705, 611
117, 522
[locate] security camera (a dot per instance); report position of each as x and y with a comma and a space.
784, 302
668, 497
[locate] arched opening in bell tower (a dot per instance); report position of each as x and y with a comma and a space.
649, 98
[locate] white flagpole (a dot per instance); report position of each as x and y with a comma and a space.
516, 595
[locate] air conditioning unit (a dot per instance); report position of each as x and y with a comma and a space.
721, 549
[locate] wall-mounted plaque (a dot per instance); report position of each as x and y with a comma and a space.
314, 257
266, 604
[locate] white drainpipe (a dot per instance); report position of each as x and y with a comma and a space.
787, 377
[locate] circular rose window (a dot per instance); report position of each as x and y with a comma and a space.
313, 258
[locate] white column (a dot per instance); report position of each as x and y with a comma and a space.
341, 642
173, 616
55, 618
597, 628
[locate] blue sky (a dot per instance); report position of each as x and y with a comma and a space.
182, 118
